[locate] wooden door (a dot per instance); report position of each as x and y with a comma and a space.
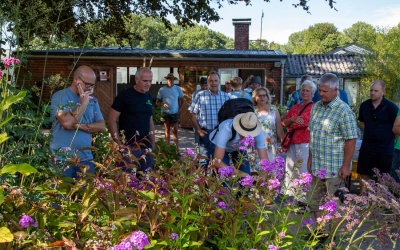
189, 79
104, 90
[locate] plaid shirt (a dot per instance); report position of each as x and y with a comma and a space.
329, 127
206, 106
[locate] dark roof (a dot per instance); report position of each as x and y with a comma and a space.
170, 54
316, 65
350, 49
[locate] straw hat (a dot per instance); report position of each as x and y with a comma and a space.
171, 76
247, 124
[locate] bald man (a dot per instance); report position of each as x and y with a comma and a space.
76, 116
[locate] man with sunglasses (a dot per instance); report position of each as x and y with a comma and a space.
376, 116
76, 116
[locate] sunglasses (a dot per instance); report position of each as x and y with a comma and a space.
87, 84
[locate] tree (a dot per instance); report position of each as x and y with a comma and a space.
47, 18
317, 39
383, 62
362, 33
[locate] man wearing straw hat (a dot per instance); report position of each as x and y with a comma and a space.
226, 147
171, 99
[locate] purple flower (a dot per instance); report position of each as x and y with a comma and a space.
322, 173
222, 205
26, 221
330, 207
281, 234
247, 181
139, 240
307, 222
189, 152
174, 236
124, 245
272, 247
226, 171
276, 167
273, 184
246, 142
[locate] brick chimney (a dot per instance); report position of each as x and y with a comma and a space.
241, 33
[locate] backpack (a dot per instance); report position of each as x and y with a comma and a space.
230, 109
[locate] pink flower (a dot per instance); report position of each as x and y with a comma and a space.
9, 61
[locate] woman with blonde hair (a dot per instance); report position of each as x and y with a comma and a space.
270, 120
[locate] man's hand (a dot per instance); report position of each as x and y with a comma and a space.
201, 132
344, 172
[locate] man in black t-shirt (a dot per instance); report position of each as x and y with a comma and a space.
134, 109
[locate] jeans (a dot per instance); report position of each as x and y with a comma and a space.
396, 165
236, 156
206, 148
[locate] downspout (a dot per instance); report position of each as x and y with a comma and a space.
283, 61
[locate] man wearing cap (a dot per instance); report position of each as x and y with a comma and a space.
255, 82
226, 147
204, 113
171, 99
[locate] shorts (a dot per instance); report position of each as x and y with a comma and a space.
323, 190
169, 117
368, 161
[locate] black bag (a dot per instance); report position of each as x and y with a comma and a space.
230, 109
233, 107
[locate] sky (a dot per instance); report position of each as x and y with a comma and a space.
282, 19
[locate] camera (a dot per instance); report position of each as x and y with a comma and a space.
341, 194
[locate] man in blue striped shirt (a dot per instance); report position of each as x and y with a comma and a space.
204, 113
333, 134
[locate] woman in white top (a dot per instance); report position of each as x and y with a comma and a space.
270, 120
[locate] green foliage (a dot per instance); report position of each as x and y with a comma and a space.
383, 62
362, 33
167, 154
317, 39
157, 114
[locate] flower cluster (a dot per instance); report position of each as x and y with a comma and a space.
138, 240
307, 223
276, 167
246, 143
189, 152
9, 61
247, 181
329, 208
322, 173
226, 171
222, 205
304, 182
26, 221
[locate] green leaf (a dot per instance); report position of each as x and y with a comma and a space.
23, 168
5, 235
3, 137
6, 120
1, 195
174, 213
147, 194
9, 100
192, 243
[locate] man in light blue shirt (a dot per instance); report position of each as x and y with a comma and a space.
76, 116
226, 147
171, 99
237, 92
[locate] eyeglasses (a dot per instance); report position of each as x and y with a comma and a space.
262, 96
87, 84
